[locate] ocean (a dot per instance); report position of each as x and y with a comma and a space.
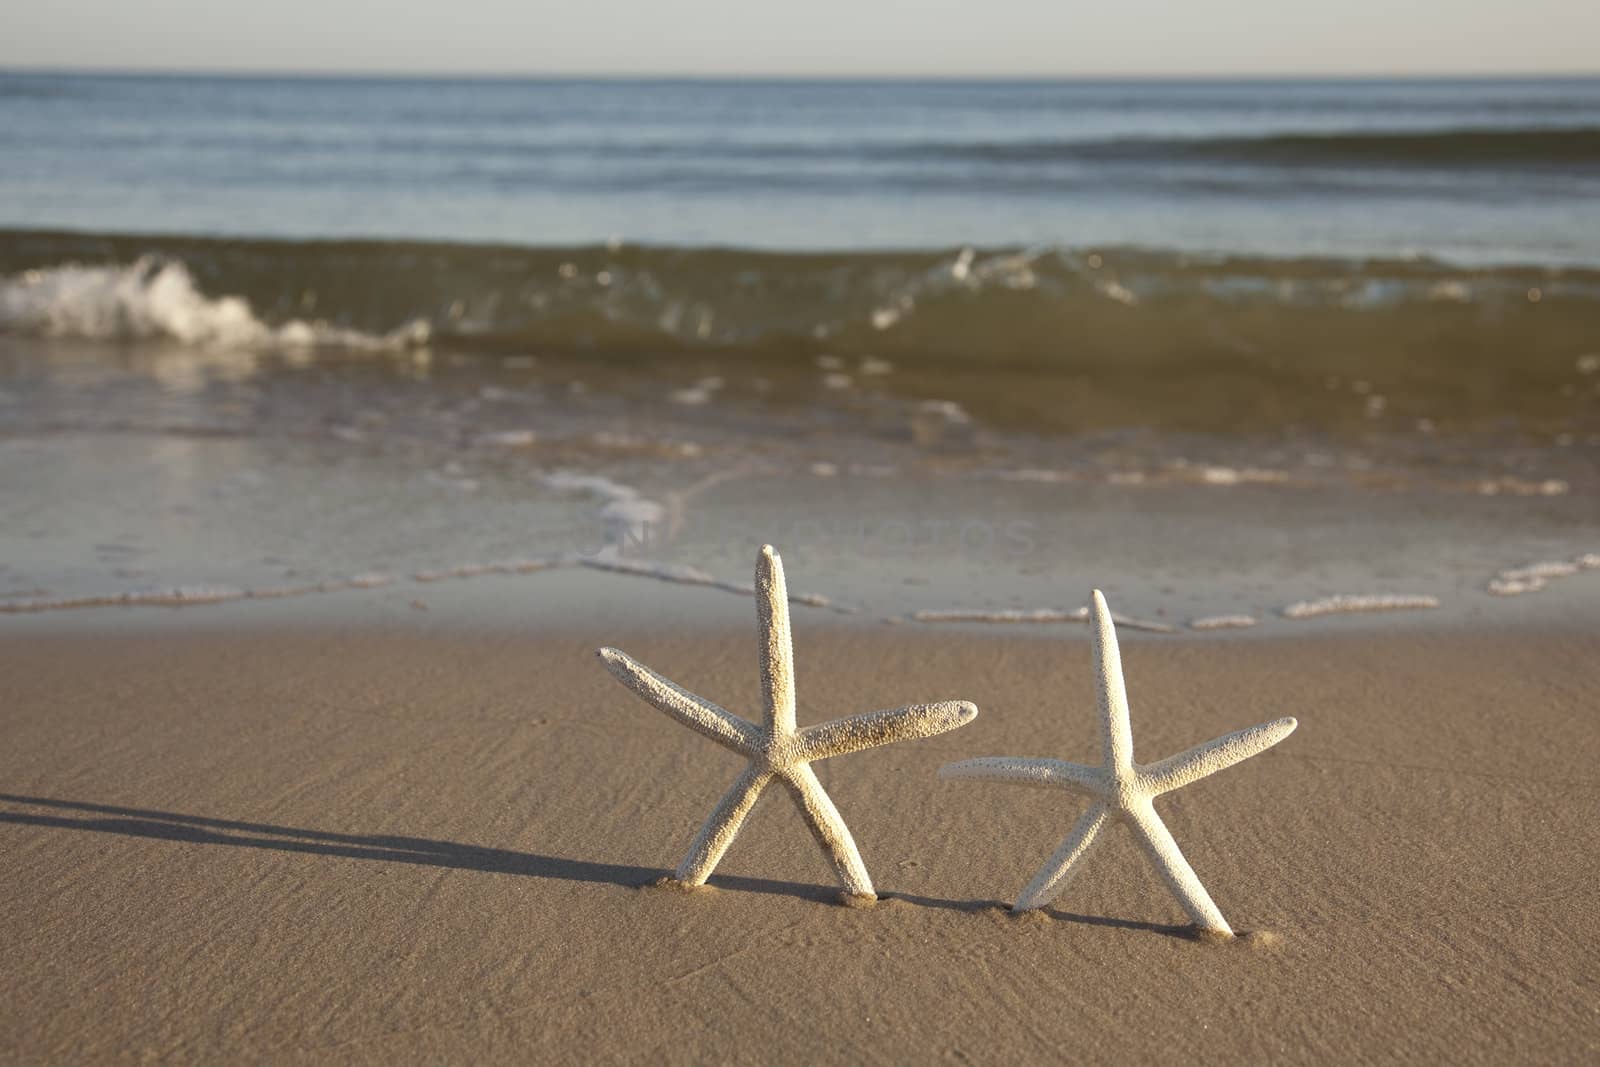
1479, 172
1342, 286
1465, 171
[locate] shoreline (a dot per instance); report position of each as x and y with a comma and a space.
284, 843
574, 590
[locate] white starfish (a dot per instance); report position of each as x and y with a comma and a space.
1123, 789
776, 749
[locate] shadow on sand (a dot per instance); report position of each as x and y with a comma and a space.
203, 830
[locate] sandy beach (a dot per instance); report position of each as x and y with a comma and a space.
407, 843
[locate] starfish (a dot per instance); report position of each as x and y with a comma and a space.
776, 748
1123, 789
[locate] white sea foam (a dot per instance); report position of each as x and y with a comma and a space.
1213, 475
811, 600
1006, 615
1034, 615
1036, 474
1353, 603
630, 520
182, 596
680, 573
961, 269
520, 565
592, 484
176, 596
1008, 271
697, 394
1532, 577
32, 601
627, 516
686, 574
817, 600
1549, 568
332, 585
1115, 291
1514, 586
934, 421
883, 318
1222, 622
156, 298
1522, 487
948, 410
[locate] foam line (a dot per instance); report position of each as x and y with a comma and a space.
811, 600
1550, 568
184, 596
1532, 577
1222, 622
682, 574
177, 596
1034, 615
1356, 603
505, 566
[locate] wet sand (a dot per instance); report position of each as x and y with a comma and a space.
400, 844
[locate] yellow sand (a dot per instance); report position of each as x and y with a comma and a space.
298, 845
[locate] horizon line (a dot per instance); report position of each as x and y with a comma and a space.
387, 74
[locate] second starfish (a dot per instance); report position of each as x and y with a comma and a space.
1122, 789
776, 748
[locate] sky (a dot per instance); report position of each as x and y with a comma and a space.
940, 38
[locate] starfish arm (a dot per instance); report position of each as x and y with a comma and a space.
1167, 858
698, 714
842, 736
1115, 731
721, 826
777, 648
1060, 867
831, 832
1041, 772
1213, 756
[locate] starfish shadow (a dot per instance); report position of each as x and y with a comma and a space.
1184, 932
1003, 909
388, 848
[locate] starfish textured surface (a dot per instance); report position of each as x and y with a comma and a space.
776, 748
1122, 789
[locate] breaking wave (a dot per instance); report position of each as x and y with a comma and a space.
156, 298
1187, 321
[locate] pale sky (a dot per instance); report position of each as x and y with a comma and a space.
810, 37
